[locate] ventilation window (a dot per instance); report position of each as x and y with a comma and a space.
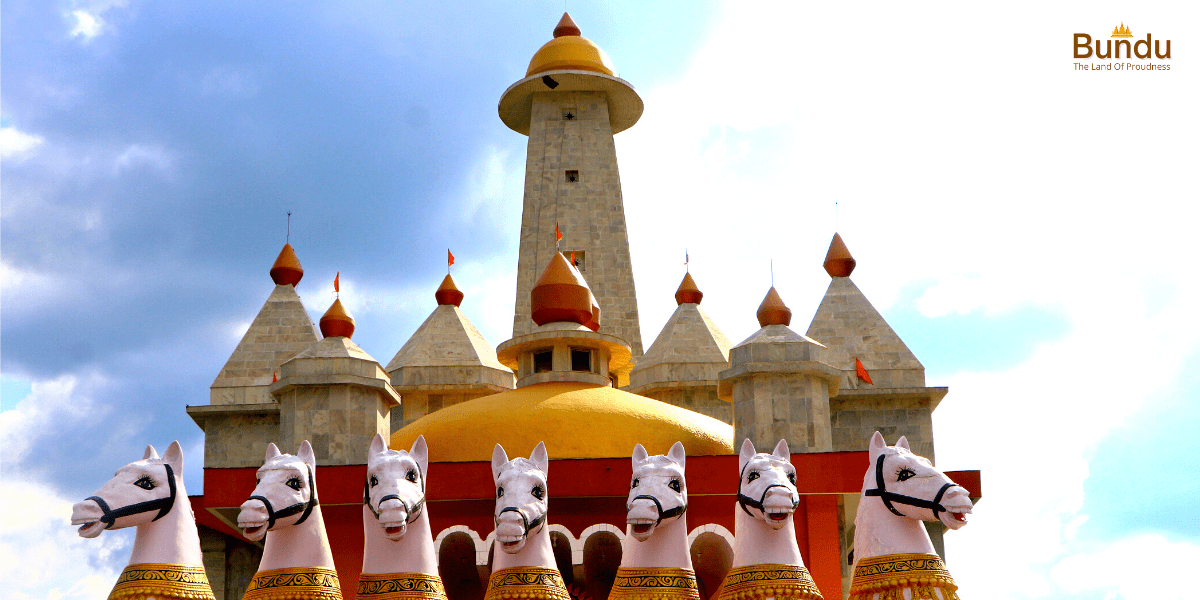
570, 114
576, 257
572, 176
543, 361
581, 360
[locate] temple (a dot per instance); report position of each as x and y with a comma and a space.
574, 375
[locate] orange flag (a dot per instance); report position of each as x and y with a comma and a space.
573, 263
274, 377
449, 258
335, 281
557, 233
861, 371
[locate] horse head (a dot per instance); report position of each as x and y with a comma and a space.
395, 489
285, 494
520, 496
140, 492
767, 484
910, 486
657, 491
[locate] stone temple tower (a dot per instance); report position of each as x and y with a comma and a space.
570, 104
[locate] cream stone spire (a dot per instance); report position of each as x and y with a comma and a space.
570, 104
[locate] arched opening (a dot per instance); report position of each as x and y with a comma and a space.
561, 546
456, 565
601, 557
712, 558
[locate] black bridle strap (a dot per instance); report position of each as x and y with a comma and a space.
163, 505
413, 512
744, 500
662, 514
888, 498
305, 507
529, 525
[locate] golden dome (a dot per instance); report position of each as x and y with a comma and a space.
838, 262
569, 51
336, 322
773, 311
448, 293
561, 294
576, 420
287, 269
688, 293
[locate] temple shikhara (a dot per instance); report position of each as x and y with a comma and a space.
576, 375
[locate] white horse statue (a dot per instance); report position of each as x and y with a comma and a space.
655, 560
399, 561
148, 494
525, 567
297, 561
901, 489
766, 558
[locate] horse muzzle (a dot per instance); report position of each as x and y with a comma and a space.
253, 520
87, 515
510, 532
393, 518
642, 517
958, 506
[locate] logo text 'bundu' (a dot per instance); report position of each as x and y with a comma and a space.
1140, 49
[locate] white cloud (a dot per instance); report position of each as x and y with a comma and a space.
16, 144
87, 17
1118, 570
87, 25
50, 405
136, 155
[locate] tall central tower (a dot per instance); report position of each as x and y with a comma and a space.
570, 104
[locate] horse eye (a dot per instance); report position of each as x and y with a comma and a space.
635, 482
145, 483
374, 481
752, 476
792, 478
675, 485
499, 492
905, 474
411, 476
294, 483
538, 492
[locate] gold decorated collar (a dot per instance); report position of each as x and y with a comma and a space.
400, 586
295, 583
782, 582
889, 575
655, 584
532, 583
164, 581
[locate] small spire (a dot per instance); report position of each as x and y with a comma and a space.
336, 322
773, 311
448, 293
688, 293
287, 269
561, 294
838, 262
566, 26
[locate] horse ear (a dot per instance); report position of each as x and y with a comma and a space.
378, 446
782, 451
639, 455
903, 443
174, 457
272, 451
746, 454
150, 453
877, 444
499, 457
678, 454
420, 453
540, 458
306, 454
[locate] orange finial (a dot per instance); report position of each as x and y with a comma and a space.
773, 311
688, 293
336, 322
561, 294
447, 293
287, 269
566, 26
838, 262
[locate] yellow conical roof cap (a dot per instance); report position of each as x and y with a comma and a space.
569, 51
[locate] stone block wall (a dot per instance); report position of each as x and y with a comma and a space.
768, 407
338, 420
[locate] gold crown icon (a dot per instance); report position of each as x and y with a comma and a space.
1122, 32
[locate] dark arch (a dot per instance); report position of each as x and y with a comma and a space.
456, 565
601, 558
561, 545
711, 557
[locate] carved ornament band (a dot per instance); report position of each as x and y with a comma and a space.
531, 583
295, 583
891, 574
400, 586
782, 582
655, 584
162, 581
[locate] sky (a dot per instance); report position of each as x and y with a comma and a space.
1026, 227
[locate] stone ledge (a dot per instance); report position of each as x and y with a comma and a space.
380, 385
935, 394
672, 385
831, 375
201, 414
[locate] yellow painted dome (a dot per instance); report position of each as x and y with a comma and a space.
569, 51
576, 420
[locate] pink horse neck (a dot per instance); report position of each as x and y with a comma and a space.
303, 545
667, 548
536, 553
412, 553
878, 532
756, 543
172, 539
